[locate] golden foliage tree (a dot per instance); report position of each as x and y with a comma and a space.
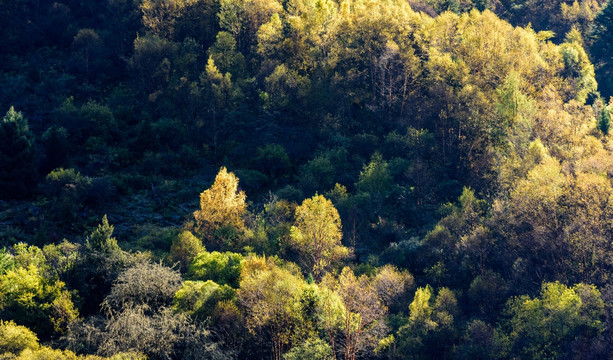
221, 206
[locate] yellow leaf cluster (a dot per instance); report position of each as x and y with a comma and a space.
221, 205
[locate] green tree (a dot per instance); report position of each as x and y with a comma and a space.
430, 330
312, 349
545, 327
101, 239
286, 89
420, 322
199, 299
99, 265
224, 54
316, 235
604, 120
87, 42
602, 48
578, 69
375, 177
6, 261
99, 121
269, 296
515, 109
41, 304
272, 159
152, 62
18, 158
535, 208
482, 342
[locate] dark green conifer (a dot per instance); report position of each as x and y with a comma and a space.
604, 121
602, 49
18, 160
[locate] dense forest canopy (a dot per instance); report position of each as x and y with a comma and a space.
306, 179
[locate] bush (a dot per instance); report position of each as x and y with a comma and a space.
145, 284
222, 268
66, 190
199, 299
43, 305
315, 349
185, 248
15, 338
153, 238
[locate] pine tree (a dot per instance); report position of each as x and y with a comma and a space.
18, 160
604, 121
602, 49
101, 239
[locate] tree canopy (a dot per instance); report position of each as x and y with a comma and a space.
419, 179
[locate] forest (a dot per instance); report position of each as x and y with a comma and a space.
306, 179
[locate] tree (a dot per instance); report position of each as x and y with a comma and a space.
99, 265
139, 318
363, 323
536, 214
18, 159
162, 335
221, 206
602, 48
313, 349
430, 330
100, 240
160, 16
41, 304
375, 178
199, 299
224, 54
482, 342
316, 235
151, 62
419, 324
272, 159
364, 302
512, 105
6, 261
578, 70
588, 204
270, 295
604, 121
88, 43
546, 327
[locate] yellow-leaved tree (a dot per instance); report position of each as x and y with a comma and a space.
222, 208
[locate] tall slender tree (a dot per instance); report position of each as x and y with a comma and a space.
602, 49
18, 158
